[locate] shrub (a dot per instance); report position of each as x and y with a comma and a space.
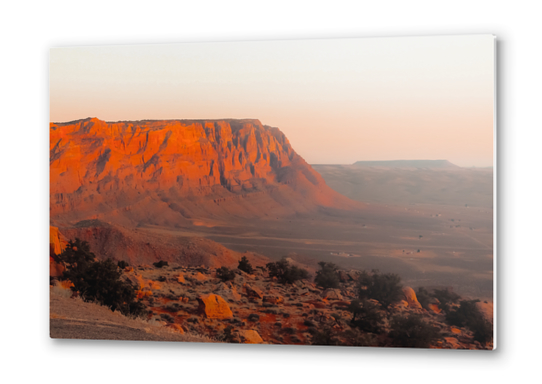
412, 331
286, 273
122, 264
366, 316
446, 298
469, 315
245, 266
99, 280
325, 337
327, 276
225, 274
160, 264
424, 297
385, 288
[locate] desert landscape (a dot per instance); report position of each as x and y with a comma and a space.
222, 232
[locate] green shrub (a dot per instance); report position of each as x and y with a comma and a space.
160, 264
385, 288
424, 297
446, 298
469, 315
286, 273
225, 274
412, 331
327, 276
99, 280
366, 316
245, 266
325, 337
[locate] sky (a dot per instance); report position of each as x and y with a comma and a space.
337, 100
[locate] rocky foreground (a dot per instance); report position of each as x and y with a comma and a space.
253, 308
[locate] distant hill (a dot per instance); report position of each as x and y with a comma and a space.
407, 164
402, 182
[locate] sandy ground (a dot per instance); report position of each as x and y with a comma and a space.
75, 319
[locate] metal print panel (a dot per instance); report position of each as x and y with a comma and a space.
314, 192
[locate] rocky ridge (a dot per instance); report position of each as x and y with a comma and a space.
170, 172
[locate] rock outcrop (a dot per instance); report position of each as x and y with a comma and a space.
174, 171
410, 297
214, 307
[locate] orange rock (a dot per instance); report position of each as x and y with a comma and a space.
55, 269
200, 277
455, 330
154, 285
218, 163
253, 291
66, 284
214, 307
250, 337
129, 269
410, 297
176, 327
181, 279
273, 299
57, 241
434, 307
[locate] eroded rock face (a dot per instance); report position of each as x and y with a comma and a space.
57, 241
130, 170
214, 307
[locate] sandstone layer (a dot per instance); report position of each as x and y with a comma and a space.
173, 172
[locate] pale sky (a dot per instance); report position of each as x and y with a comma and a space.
337, 100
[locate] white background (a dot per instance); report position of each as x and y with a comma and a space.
29, 29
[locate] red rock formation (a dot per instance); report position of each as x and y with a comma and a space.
57, 243
169, 172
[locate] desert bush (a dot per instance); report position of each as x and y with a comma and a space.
469, 315
99, 281
355, 338
327, 276
424, 297
325, 337
446, 298
122, 264
412, 331
385, 288
160, 264
245, 266
225, 274
286, 273
366, 316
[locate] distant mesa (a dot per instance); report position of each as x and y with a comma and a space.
171, 172
407, 164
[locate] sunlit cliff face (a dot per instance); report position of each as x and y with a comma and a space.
179, 168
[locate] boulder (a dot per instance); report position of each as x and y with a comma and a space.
227, 291
57, 241
250, 336
181, 279
273, 299
332, 294
214, 307
410, 297
253, 292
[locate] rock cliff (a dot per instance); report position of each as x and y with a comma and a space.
172, 171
